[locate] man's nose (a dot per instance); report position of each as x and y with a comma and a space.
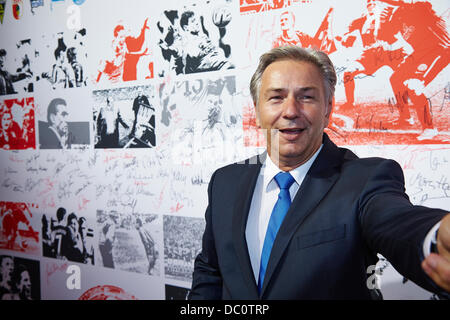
291, 108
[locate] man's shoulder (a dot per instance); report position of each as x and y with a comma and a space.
47, 137
368, 161
348, 161
368, 165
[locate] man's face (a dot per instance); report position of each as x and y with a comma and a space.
6, 121
73, 224
83, 230
293, 107
193, 25
24, 285
286, 21
2, 62
371, 4
7, 267
121, 36
59, 119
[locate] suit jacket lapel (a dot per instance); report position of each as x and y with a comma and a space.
318, 181
245, 188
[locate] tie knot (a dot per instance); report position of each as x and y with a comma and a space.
284, 180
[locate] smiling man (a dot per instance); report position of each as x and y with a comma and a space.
294, 108
306, 219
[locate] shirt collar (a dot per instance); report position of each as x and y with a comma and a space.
270, 170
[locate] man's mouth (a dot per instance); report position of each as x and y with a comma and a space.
292, 130
291, 134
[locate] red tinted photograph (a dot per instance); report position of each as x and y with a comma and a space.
17, 130
17, 232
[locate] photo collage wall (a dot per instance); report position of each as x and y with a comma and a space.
114, 115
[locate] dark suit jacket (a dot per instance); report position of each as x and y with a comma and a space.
346, 210
49, 140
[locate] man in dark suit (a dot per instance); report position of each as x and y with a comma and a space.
344, 209
55, 133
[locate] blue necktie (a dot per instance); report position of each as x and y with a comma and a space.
284, 181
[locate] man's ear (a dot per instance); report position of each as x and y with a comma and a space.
330, 107
329, 111
258, 122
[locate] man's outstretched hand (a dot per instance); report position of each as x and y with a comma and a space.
437, 266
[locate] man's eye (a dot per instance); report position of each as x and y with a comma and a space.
275, 98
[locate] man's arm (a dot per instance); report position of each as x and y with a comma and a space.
207, 280
395, 228
135, 44
19, 76
120, 120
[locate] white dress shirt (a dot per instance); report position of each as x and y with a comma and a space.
264, 198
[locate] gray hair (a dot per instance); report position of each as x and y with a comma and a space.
316, 57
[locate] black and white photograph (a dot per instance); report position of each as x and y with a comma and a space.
124, 118
16, 72
61, 58
194, 38
68, 236
202, 119
19, 278
57, 132
129, 241
182, 244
